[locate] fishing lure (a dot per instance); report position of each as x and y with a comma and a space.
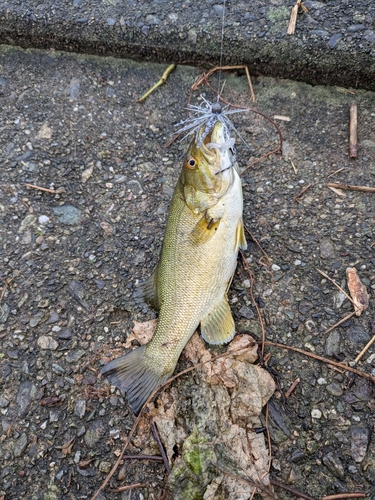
208, 114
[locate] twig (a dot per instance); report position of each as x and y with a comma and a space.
353, 144
365, 189
292, 387
293, 17
336, 285
156, 458
365, 349
341, 496
321, 358
162, 80
155, 433
339, 323
294, 167
301, 193
247, 269
53, 191
335, 172
259, 245
336, 191
129, 487
291, 490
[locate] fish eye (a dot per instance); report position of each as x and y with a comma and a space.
191, 163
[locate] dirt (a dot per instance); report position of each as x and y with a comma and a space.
71, 257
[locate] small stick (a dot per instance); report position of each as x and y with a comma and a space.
339, 322
336, 191
294, 167
369, 343
297, 493
340, 496
156, 458
250, 84
292, 387
281, 118
259, 245
321, 358
53, 191
162, 80
336, 285
293, 17
129, 487
301, 193
335, 172
24, 164
156, 436
353, 143
365, 189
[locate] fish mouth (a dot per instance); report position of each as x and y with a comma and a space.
216, 140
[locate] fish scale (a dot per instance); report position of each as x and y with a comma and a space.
199, 255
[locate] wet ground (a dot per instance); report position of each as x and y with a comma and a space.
71, 257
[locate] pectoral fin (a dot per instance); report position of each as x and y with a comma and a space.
240, 236
204, 230
218, 326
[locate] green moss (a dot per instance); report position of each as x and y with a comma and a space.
276, 14
52, 493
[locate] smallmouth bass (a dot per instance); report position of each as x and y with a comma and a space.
189, 285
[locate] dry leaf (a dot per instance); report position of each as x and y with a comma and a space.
67, 447
86, 174
357, 291
142, 332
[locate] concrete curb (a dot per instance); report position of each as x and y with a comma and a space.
333, 44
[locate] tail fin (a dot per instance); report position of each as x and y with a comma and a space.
134, 374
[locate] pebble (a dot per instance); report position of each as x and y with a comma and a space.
332, 347
111, 21
43, 220
357, 337
5, 313
334, 464
218, 9
74, 356
80, 408
25, 395
246, 312
68, 214
334, 389
94, 433
334, 40
65, 334
20, 445
28, 221
360, 438
4, 402
74, 86
315, 413
46, 342
327, 250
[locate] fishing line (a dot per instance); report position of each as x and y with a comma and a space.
221, 50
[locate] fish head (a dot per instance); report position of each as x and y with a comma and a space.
207, 166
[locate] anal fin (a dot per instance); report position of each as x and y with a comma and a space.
147, 291
135, 374
218, 326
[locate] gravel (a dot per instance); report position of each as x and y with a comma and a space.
68, 305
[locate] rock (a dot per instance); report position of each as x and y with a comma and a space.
26, 393
94, 433
332, 347
360, 440
315, 413
67, 214
246, 312
278, 419
135, 187
4, 402
357, 337
20, 445
45, 132
4, 314
28, 221
46, 342
327, 250
74, 356
80, 408
334, 389
74, 86
65, 334
334, 464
